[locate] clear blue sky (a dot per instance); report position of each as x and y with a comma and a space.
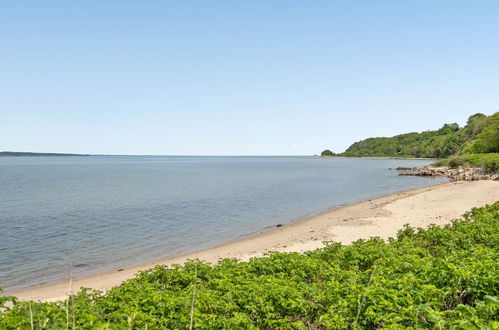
239, 77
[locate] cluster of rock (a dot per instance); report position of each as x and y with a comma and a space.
455, 174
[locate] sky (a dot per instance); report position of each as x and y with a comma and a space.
239, 77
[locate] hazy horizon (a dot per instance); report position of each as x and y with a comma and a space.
227, 78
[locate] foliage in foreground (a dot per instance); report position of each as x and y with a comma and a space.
480, 135
490, 162
436, 278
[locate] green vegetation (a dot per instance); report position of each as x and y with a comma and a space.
480, 135
327, 153
442, 277
490, 162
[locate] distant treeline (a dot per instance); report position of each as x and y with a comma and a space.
480, 135
33, 154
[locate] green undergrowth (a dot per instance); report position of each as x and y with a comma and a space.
442, 277
490, 162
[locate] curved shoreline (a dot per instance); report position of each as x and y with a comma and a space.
382, 216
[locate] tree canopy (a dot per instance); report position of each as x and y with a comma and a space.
327, 152
480, 135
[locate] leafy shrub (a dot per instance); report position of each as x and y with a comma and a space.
441, 163
455, 162
440, 277
489, 162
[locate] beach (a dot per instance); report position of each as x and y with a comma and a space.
382, 216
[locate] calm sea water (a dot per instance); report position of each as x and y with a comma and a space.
103, 212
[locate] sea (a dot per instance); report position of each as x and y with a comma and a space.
90, 214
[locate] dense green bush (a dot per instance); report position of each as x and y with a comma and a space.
327, 153
454, 162
490, 162
442, 277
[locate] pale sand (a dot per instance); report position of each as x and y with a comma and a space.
381, 217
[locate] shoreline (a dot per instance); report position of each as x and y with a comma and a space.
381, 216
381, 157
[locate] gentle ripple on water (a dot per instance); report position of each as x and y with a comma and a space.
103, 212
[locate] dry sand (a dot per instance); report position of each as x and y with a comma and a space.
381, 217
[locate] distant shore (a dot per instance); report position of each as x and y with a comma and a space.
382, 217
381, 157
35, 154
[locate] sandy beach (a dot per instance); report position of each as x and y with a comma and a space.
382, 217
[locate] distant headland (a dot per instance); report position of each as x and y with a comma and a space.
34, 154
480, 135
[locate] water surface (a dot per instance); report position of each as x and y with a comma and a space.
102, 212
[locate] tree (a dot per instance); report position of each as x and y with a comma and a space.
476, 116
327, 152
